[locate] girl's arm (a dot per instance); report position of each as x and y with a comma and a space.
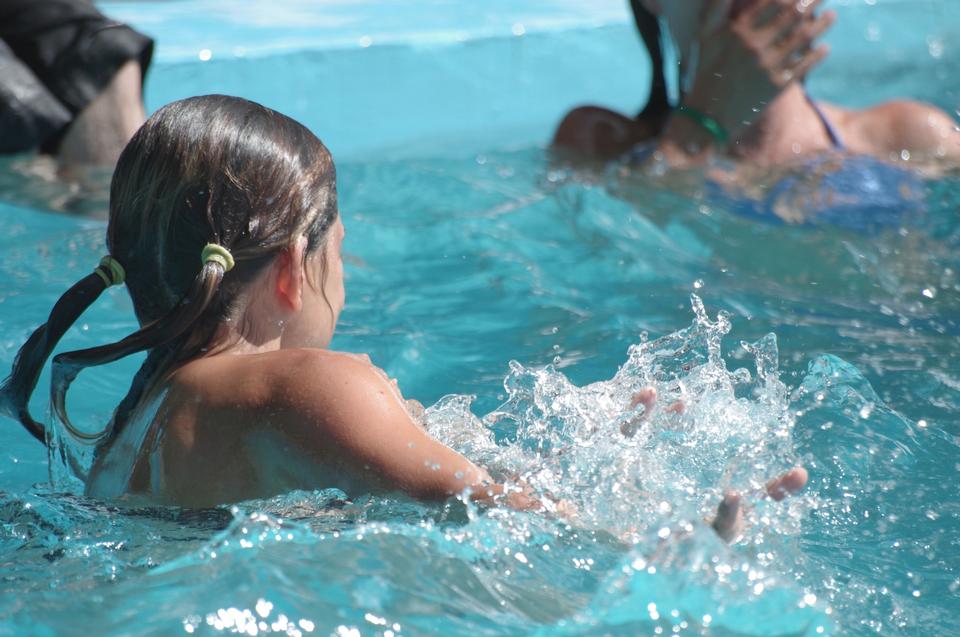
349, 410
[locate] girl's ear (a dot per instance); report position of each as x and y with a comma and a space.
289, 273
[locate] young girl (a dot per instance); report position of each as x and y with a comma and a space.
224, 227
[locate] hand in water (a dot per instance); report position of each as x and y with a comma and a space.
647, 397
749, 51
728, 522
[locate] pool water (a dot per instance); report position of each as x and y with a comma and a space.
525, 301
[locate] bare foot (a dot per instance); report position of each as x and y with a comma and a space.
729, 521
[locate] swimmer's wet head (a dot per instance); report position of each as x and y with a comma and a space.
208, 184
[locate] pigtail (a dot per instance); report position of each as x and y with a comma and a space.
205, 167
153, 337
16, 390
658, 105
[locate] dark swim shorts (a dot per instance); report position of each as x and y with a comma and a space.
56, 56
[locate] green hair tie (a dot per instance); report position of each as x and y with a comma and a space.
707, 123
110, 271
216, 253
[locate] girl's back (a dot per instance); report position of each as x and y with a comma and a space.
225, 229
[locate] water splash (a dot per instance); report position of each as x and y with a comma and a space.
638, 555
568, 442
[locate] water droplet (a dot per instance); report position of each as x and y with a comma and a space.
698, 284
930, 293
935, 47
205, 55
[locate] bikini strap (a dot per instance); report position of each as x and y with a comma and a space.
832, 133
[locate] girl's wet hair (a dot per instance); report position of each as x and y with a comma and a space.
658, 106
208, 169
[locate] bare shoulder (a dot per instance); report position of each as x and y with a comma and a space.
289, 389
325, 374
333, 391
904, 125
336, 410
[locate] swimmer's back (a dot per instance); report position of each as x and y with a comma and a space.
237, 427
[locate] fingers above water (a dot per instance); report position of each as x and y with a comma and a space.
729, 520
809, 60
646, 396
801, 38
787, 484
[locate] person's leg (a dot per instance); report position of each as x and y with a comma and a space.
91, 64
101, 130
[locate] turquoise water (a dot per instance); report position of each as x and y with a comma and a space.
525, 302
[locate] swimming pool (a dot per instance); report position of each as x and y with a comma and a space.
467, 250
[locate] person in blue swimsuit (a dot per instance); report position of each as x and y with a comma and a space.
743, 63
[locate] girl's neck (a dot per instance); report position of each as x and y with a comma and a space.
261, 335
789, 127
